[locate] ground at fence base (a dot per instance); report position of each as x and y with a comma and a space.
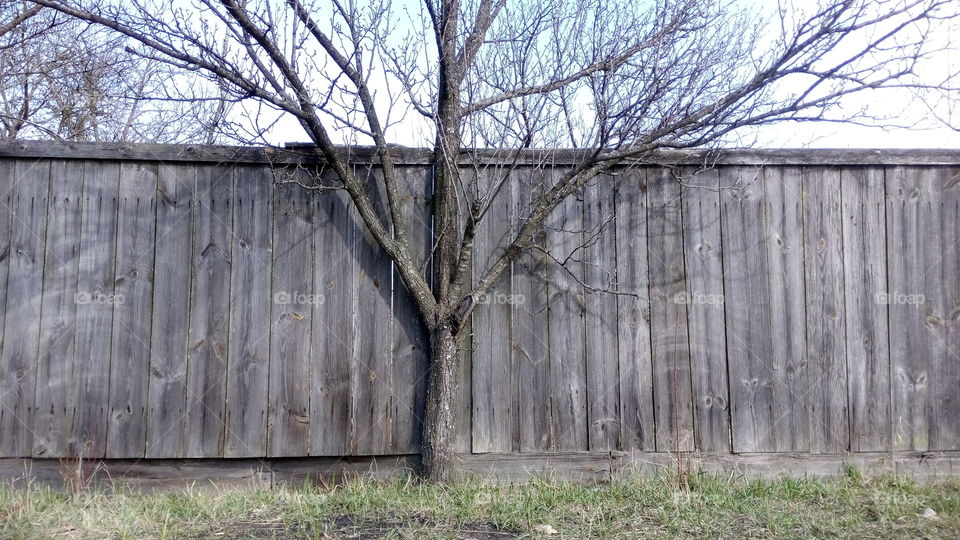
150, 475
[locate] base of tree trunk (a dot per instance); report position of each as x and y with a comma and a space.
438, 431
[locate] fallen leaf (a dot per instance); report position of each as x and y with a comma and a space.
545, 529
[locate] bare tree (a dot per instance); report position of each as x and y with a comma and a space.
61, 78
618, 79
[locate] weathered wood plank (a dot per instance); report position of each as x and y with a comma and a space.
564, 235
746, 306
703, 258
909, 224
530, 325
28, 221
248, 358
602, 355
307, 153
942, 278
783, 228
292, 316
96, 297
8, 199
633, 309
208, 342
410, 340
672, 384
335, 238
372, 409
54, 394
825, 314
865, 289
133, 311
166, 394
494, 393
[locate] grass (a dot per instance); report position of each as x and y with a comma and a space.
635, 507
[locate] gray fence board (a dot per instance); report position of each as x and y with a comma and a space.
633, 313
372, 413
166, 391
566, 312
672, 384
248, 360
746, 304
703, 260
55, 365
600, 273
18, 363
95, 284
530, 327
133, 311
494, 416
826, 324
334, 241
292, 316
865, 289
410, 340
208, 342
787, 315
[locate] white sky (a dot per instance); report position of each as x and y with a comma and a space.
903, 108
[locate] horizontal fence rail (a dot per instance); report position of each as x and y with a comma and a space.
173, 302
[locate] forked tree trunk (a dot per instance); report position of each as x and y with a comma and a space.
438, 430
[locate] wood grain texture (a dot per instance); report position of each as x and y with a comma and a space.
8, 198
530, 345
703, 260
56, 362
566, 328
372, 411
494, 391
783, 228
913, 232
633, 313
942, 268
306, 153
746, 306
672, 384
823, 301
602, 349
18, 363
292, 319
865, 289
96, 297
334, 241
133, 315
208, 341
248, 358
410, 338
825, 310
166, 393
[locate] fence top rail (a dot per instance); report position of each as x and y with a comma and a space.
307, 154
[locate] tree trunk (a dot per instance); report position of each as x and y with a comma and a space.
438, 430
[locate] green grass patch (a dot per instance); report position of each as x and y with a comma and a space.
635, 507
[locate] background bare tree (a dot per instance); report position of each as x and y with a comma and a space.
619, 79
61, 78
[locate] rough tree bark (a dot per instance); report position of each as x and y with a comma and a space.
438, 427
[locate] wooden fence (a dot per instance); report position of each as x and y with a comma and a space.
176, 302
